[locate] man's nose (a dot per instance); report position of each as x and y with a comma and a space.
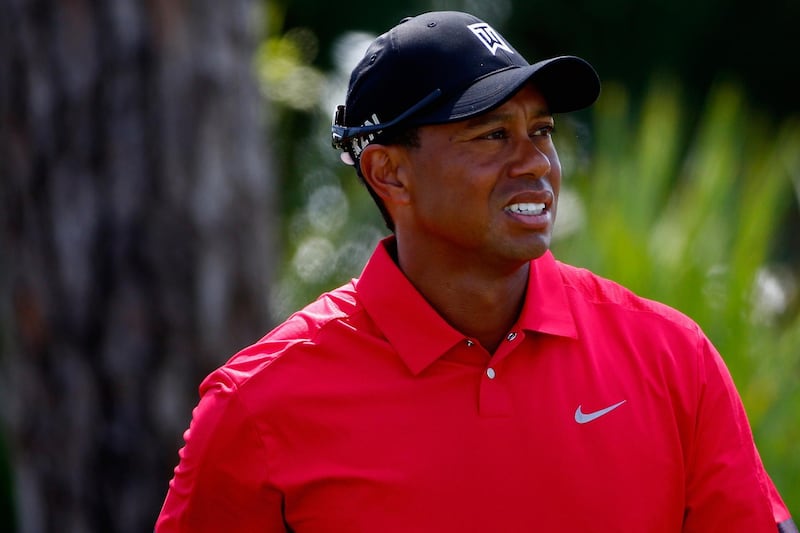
531, 158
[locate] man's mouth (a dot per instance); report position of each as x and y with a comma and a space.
526, 208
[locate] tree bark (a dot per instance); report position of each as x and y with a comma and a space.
136, 242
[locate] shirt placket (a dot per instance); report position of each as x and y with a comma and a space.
494, 398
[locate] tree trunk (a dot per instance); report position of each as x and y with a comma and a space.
135, 242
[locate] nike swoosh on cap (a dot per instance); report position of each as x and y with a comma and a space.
583, 418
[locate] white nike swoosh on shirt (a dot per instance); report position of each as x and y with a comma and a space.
583, 418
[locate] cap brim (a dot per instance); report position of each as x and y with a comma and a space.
568, 83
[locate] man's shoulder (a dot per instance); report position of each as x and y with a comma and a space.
306, 324
300, 332
603, 293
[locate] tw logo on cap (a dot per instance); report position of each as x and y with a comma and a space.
489, 37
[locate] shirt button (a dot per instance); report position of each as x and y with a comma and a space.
512, 336
470, 344
490, 373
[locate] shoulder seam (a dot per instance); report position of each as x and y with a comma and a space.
643, 305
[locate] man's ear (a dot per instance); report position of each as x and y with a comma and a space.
385, 170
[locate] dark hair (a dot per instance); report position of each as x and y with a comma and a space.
409, 137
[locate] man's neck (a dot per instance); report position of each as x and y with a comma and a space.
480, 303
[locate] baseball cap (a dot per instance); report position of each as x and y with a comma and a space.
445, 66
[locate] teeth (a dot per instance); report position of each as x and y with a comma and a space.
526, 209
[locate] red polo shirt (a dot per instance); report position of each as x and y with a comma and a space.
367, 412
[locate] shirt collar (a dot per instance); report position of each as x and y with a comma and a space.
421, 336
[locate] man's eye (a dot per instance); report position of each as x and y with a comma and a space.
495, 135
545, 131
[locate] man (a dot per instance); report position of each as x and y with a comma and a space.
467, 381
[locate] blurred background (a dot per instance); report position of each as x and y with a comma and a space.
168, 194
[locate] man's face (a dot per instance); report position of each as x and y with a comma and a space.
485, 189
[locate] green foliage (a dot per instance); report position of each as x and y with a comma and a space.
283, 65
685, 210
330, 224
332, 230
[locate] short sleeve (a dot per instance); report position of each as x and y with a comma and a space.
728, 488
220, 483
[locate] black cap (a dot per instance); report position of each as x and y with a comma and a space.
445, 66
